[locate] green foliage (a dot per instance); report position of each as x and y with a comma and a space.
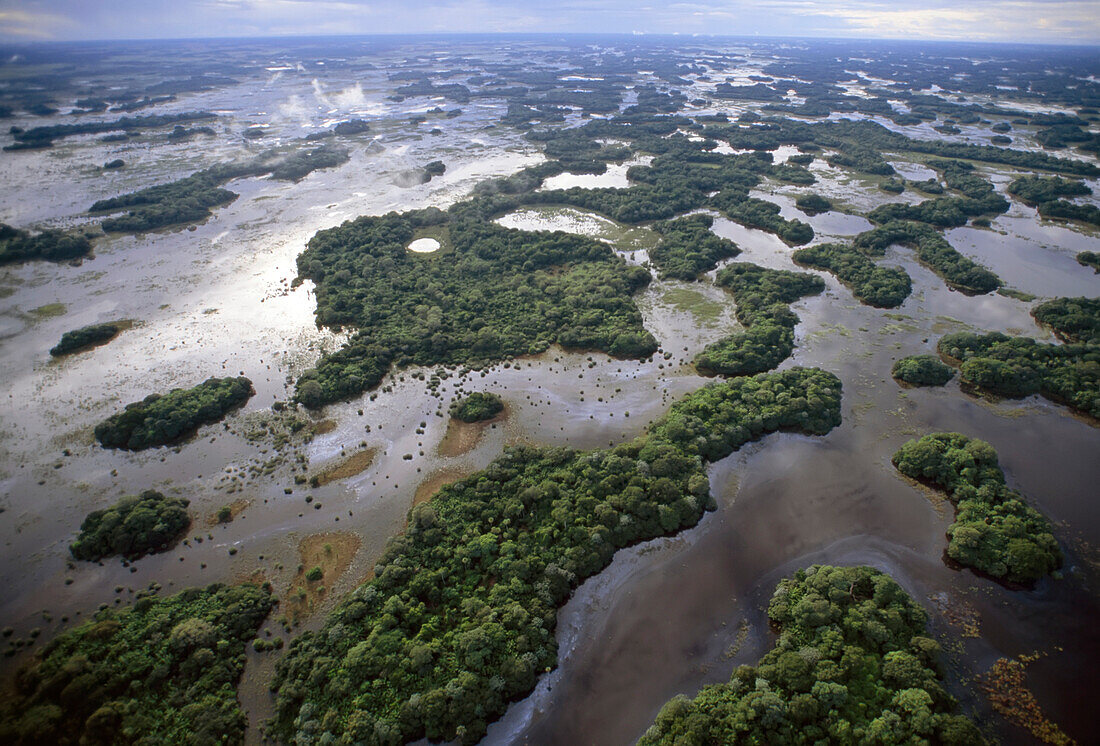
813, 204
162, 671
688, 247
1063, 210
762, 297
133, 526
1020, 366
190, 199
922, 370
853, 663
459, 618
159, 420
758, 213
315, 574
17, 245
87, 337
1072, 319
1035, 190
477, 407
45, 135
882, 287
1089, 259
497, 294
932, 250
994, 531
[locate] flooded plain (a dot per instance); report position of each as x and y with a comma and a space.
668, 616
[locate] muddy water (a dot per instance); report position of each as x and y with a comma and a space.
675, 614
668, 616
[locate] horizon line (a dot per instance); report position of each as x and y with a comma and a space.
9, 41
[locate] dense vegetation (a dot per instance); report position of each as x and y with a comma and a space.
87, 337
1035, 190
162, 671
17, 245
882, 287
813, 204
922, 370
762, 296
459, 618
994, 531
934, 251
1020, 366
45, 135
133, 526
688, 247
1089, 259
497, 293
477, 407
1071, 319
853, 663
160, 420
1063, 210
190, 199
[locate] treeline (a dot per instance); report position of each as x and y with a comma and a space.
1016, 367
948, 212
43, 137
87, 337
1089, 259
135, 525
995, 531
477, 407
853, 663
498, 293
922, 370
932, 250
18, 245
164, 670
160, 420
190, 199
762, 296
1071, 319
459, 618
1047, 195
882, 287
688, 248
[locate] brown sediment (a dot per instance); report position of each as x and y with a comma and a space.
324, 426
462, 437
958, 613
1004, 685
330, 551
431, 485
235, 509
354, 464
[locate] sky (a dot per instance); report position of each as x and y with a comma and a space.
1038, 21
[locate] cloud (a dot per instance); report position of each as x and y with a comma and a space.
1053, 21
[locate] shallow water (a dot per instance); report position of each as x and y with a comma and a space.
667, 617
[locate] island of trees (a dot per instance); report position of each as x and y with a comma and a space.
190, 199
995, 531
477, 407
1016, 367
135, 525
18, 245
459, 618
1089, 259
87, 337
160, 420
882, 287
853, 663
164, 670
688, 248
497, 293
922, 370
763, 296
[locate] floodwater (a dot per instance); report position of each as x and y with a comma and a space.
668, 616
